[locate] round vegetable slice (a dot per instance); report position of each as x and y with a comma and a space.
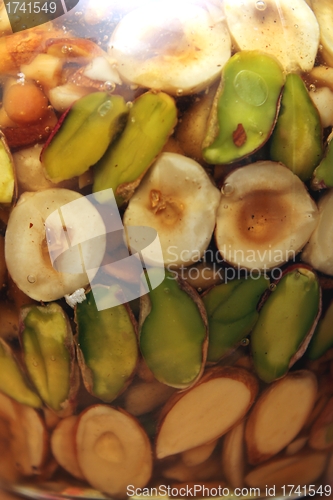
265, 216
26, 252
172, 46
113, 450
178, 199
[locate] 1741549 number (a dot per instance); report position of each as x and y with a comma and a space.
310, 490
31, 7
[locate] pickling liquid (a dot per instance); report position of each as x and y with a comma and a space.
166, 258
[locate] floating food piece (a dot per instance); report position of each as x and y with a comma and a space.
323, 174
178, 199
83, 135
199, 454
286, 323
151, 120
265, 217
12, 380
28, 443
192, 126
49, 356
173, 333
107, 345
32, 102
64, 447
232, 313
170, 46
30, 172
296, 445
7, 177
144, 397
113, 450
300, 469
64, 96
74, 49
322, 339
297, 137
28, 134
279, 414
321, 434
233, 455
322, 98
287, 30
323, 10
27, 258
205, 412
245, 107
182, 472
44, 68
319, 251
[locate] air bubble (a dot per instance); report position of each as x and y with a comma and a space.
35, 363
296, 26
260, 5
53, 358
47, 130
166, 290
109, 86
260, 133
245, 341
31, 278
104, 108
129, 104
272, 287
133, 119
312, 87
179, 92
227, 189
64, 49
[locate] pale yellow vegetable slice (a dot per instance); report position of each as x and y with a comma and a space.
319, 250
323, 10
172, 46
279, 415
74, 221
286, 29
207, 411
